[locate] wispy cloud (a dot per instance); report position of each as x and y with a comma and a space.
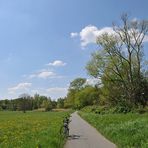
56, 92
47, 72
44, 74
20, 86
74, 34
57, 63
53, 92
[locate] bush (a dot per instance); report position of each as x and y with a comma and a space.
111, 110
96, 109
122, 109
1, 108
141, 110
87, 96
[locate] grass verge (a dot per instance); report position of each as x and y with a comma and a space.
125, 130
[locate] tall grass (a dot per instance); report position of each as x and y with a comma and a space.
31, 130
125, 130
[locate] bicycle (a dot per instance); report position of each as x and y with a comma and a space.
64, 131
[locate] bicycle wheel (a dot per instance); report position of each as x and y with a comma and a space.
64, 131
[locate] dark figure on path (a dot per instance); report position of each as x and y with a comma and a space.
66, 122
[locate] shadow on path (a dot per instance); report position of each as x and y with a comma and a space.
74, 137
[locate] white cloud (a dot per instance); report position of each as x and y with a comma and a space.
57, 63
43, 74
57, 92
89, 34
20, 86
53, 92
74, 34
46, 74
40, 91
56, 89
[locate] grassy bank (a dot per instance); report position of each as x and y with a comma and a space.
125, 130
32, 129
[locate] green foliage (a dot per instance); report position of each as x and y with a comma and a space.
95, 65
113, 110
78, 98
94, 109
27, 103
77, 84
70, 99
141, 110
81, 94
33, 129
60, 103
87, 96
125, 130
99, 109
119, 65
47, 104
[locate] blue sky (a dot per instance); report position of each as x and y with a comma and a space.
45, 44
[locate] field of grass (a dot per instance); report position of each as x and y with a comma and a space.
125, 130
31, 129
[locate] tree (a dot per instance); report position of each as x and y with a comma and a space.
87, 96
24, 101
119, 62
60, 103
36, 102
75, 86
54, 104
47, 104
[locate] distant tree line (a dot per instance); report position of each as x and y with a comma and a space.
25, 102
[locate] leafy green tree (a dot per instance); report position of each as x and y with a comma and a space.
87, 96
119, 63
47, 104
36, 102
54, 104
60, 103
75, 86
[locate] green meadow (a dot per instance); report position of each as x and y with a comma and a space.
31, 129
125, 130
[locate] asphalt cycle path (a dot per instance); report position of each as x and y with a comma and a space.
83, 135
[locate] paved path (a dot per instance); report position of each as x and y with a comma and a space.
83, 135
